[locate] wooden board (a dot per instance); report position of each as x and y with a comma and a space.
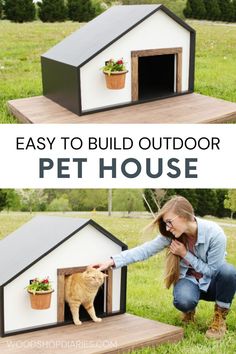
116, 334
190, 108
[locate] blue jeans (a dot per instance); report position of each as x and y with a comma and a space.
222, 289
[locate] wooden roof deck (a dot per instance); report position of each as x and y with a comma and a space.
190, 108
116, 334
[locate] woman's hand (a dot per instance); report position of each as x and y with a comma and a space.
178, 248
104, 265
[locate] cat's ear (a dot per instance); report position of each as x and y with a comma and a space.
105, 275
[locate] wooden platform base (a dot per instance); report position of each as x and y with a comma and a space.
190, 108
116, 334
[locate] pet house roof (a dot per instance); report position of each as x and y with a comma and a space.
84, 44
35, 239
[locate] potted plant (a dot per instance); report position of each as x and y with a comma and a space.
115, 73
40, 291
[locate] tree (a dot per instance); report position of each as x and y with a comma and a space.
188, 10
127, 200
32, 199
52, 10
108, 3
176, 6
234, 9
207, 202
12, 200
212, 10
3, 198
52, 194
156, 198
227, 10
198, 9
99, 6
83, 10
189, 194
19, 10
150, 204
73, 10
95, 199
230, 201
109, 202
221, 212
153, 199
204, 201
76, 197
1, 8
59, 204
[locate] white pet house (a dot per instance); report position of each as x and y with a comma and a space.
157, 46
55, 247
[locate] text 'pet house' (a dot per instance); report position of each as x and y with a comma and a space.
156, 45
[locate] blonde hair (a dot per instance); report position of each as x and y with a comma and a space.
181, 207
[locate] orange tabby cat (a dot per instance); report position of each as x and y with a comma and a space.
81, 289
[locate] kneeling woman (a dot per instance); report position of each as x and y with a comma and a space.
195, 264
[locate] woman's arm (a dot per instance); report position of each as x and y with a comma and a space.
135, 254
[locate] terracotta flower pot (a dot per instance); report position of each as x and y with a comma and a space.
115, 80
41, 300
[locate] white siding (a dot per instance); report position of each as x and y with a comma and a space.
158, 31
86, 247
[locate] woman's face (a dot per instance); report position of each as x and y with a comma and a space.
176, 224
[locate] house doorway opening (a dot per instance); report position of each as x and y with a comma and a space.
156, 73
102, 302
156, 76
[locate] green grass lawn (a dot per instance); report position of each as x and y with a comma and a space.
215, 60
20, 48
22, 44
146, 295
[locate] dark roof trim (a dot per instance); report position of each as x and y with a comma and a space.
161, 7
89, 222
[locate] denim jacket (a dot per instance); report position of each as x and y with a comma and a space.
209, 252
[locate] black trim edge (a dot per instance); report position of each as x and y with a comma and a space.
79, 91
1, 311
123, 289
192, 60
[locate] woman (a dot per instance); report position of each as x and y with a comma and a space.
195, 263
